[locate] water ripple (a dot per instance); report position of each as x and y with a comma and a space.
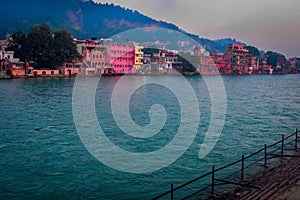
41, 155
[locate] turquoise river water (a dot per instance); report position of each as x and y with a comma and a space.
42, 156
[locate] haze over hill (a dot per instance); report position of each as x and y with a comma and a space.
84, 19
269, 24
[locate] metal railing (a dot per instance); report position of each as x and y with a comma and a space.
273, 151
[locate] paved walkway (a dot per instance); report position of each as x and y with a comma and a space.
292, 193
277, 183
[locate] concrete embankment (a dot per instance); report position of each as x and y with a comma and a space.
281, 182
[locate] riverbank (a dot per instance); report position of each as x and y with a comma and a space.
125, 74
4, 76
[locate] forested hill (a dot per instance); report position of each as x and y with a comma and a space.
84, 19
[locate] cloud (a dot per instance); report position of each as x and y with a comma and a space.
163, 4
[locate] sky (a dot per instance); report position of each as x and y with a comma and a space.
267, 24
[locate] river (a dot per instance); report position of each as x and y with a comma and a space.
43, 156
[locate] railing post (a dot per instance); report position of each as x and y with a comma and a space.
242, 168
213, 180
282, 144
265, 148
296, 139
172, 191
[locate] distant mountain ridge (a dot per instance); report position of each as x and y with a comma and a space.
84, 19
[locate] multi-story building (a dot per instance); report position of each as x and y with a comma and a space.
161, 62
222, 65
254, 65
208, 65
139, 55
293, 67
121, 57
94, 57
107, 57
263, 67
172, 62
147, 58
7, 55
259, 65
238, 57
159, 57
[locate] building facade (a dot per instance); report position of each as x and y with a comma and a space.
139, 56
70, 68
104, 56
238, 57
121, 57
94, 57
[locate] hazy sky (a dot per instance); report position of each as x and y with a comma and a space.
266, 24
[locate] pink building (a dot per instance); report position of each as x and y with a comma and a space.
208, 65
121, 57
238, 57
106, 57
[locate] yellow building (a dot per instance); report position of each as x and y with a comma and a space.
139, 55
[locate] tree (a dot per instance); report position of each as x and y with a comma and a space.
46, 48
151, 51
298, 63
19, 45
63, 48
271, 58
40, 38
276, 59
189, 62
253, 51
